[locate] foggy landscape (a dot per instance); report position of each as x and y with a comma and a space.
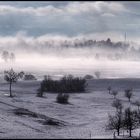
61, 55
69, 69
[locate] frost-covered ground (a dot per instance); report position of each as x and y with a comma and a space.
84, 117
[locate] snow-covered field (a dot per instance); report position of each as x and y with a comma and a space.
84, 117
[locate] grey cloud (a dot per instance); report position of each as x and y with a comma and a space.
69, 18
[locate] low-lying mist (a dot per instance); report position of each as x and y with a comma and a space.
78, 56
80, 66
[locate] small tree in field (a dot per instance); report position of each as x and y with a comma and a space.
114, 93
128, 94
118, 105
11, 77
109, 89
41, 90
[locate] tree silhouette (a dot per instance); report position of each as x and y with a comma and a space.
137, 103
130, 121
11, 77
118, 105
114, 93
128, 94
5, 56
115, 122
12, 57
109, 89
41, 90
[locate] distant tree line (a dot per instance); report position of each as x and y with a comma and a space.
84, 42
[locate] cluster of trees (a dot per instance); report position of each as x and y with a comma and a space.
29, 77
67, 84
83, 42
124, 118
8, 56
128, 93
61, 97
102, 48
73, 84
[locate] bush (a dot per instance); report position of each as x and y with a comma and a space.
114, 93
62, 98
29, 77
67, 84
88, 77
21, 74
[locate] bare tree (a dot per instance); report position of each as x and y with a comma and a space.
128, 94
11, 77
114, 93
118, 105
115, 122
138, 116
12, 57
109, 89
5, 56
130, 121
41, 89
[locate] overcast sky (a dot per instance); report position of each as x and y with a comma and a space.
97, 19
